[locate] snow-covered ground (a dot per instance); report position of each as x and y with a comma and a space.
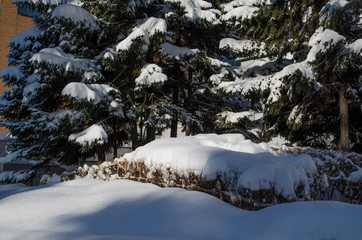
90, 209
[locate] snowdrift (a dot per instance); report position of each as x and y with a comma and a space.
88, 209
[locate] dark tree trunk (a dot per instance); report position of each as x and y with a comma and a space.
187, 129
188, 101
174, 123
115, 149
134, 135
115, 141
101, 153
175, 101
151, 134
343, 144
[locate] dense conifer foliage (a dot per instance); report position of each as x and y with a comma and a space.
93, 75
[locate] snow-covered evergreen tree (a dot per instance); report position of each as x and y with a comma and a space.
312, 62
93, 74
190, 59
161, 70
130, 63
63, 105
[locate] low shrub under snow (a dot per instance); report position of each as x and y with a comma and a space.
241, 172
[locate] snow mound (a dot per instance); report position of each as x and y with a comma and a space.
209, 155
89, 209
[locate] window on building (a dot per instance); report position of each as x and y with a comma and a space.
26, 10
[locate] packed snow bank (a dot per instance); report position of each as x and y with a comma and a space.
211, 155
90, 209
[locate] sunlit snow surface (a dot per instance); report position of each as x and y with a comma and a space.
92, 209
253, 165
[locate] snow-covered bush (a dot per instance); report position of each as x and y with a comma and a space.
243, 173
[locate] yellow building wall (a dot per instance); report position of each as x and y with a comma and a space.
11, 23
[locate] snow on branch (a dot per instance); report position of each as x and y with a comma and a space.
95, 134
12, 72
20, 39
235, 117
125, 44
227, 7
146, 30
217, 63
332, 6
355, 47
70, 114
173, 51
243, 12
75, 14
150, 74
247, 47
320, 42
153, 25
55, 56
48, 2
198, 9
89, 92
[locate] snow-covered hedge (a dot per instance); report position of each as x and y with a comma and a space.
243, 173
